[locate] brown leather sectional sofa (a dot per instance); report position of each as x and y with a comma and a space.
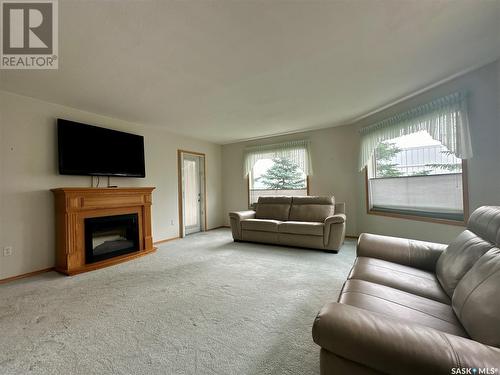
311, 222
412, 307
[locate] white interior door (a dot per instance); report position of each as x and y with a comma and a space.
192, 193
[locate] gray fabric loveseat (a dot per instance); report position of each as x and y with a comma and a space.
311, 222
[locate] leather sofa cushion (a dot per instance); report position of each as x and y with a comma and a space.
301, 240
417, 254
260, 236
458, 259
315, 209
274, 208
260, 225
394, 346
485, 222
301, 227
395, 303
408, 279
476, 299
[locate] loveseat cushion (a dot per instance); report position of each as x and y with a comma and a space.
315, 209
395, 303
302, 227
476, 299
458, 258
260, 225
274, 208
394, 275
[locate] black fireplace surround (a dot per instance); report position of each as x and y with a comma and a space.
110, 236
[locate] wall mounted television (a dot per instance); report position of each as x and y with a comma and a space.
94, 151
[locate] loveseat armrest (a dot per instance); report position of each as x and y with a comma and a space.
334, 232
394, 346
413, 253
241, 215
335, 219
235, 218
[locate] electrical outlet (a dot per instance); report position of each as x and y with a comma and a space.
7, 251
172, 222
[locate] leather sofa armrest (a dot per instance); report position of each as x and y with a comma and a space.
235, 218
394, 346
335, 219
241, 215
334, 232
413, 253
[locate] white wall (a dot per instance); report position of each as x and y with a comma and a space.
335, 155
28, 163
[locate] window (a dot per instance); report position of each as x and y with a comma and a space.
416, 175
277, 169
415, 161
277, 176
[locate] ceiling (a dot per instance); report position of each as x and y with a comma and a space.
232, 70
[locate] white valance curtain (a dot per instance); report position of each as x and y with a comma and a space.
296, 151
445, 119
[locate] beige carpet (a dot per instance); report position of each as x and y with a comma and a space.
201, 305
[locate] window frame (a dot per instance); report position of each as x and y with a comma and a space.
430, 219
248, 189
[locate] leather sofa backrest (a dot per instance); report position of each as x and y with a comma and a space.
463, 252
485, 222
275, 208
458, 258
476, 301
312, 208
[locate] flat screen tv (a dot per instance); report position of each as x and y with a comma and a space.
94, 151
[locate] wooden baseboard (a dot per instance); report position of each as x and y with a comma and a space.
178, 238
166, 240
34, 273
219, 227
24, 275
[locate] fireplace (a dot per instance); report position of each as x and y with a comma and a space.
73, 206
110, 236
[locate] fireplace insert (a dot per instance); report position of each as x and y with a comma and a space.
110, 236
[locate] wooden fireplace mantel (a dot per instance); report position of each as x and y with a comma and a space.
74, 205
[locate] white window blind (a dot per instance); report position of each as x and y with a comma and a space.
418, 195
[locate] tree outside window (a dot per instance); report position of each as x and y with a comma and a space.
283, 175
277, 176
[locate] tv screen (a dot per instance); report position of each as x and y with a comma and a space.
94, 151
